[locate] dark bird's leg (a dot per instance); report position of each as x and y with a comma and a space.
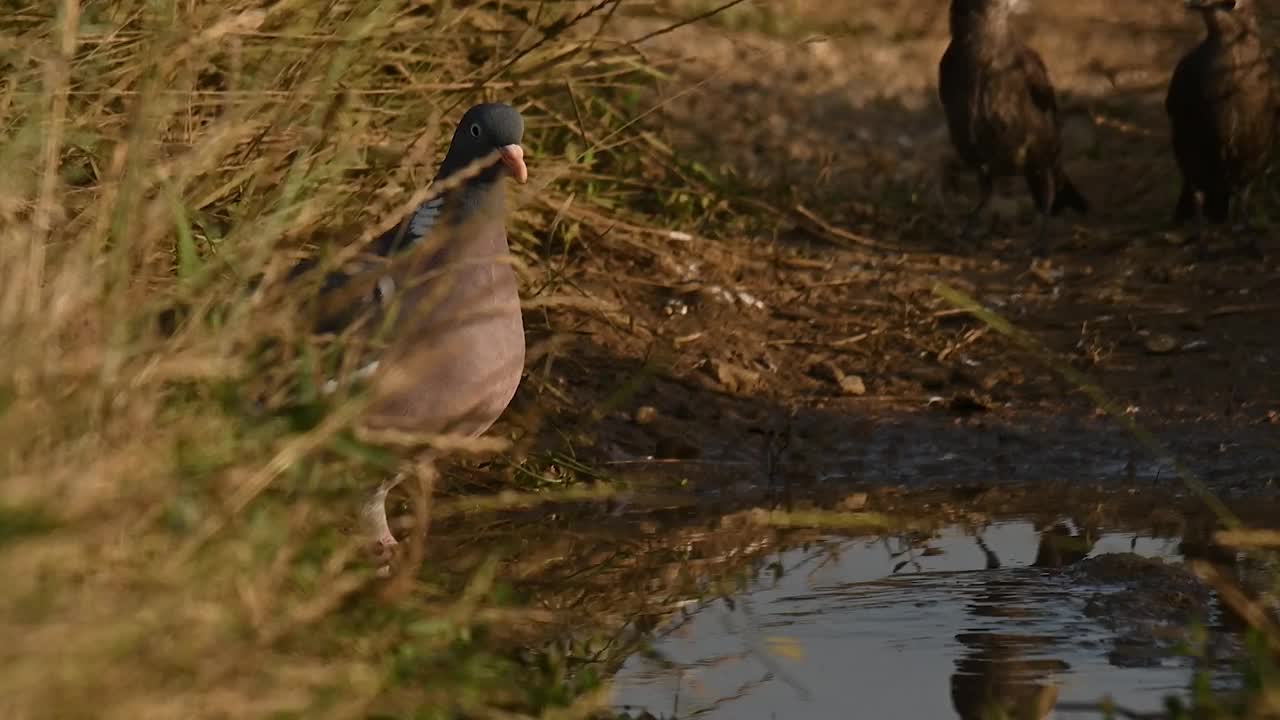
1246, 239
1041, 248
1042, 187
1241, 209
1186, 205
1202, 242
985, 188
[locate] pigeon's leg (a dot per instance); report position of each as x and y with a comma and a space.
985, 188
374, 515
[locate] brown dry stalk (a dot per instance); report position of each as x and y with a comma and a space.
57, 83
1247, 538
1231, 595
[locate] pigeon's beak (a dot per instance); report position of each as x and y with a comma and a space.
513, 158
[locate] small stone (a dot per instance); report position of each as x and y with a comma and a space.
854, 502
853, 385
645, 414
829, 372
732, 377
1045, 272
1160, 344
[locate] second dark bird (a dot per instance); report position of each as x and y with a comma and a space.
1001, 110
1222, 107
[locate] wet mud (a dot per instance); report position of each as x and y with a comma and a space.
803, 319
787, 349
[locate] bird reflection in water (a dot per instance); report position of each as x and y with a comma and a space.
997, 675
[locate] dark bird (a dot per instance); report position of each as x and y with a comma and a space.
1001, 110
1222, 106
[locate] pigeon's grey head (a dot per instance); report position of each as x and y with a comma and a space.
484, 129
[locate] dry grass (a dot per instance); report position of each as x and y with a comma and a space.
169, 545
173, 507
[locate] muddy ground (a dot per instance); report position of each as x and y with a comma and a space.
787, 346
802, 339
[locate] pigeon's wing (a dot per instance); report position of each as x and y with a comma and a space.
364, 283
413, 229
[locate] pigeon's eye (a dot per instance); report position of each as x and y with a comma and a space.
475, 130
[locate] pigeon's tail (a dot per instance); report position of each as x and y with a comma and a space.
1067, 196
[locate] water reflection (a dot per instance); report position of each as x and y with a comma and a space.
995, 673
1059, 546
914, 627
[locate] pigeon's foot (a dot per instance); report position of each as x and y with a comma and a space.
386, 550
374, 517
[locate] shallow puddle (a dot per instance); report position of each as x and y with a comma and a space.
935, 628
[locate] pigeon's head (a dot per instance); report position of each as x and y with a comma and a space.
484, 129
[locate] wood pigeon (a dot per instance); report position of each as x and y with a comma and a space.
457, 344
